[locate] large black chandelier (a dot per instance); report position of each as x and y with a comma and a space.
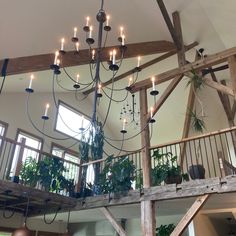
112, 64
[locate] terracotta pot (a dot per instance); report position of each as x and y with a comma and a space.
197, 172
177, 179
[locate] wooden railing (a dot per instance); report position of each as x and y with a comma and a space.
14, 154
212, 153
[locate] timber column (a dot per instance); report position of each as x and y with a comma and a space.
148, 219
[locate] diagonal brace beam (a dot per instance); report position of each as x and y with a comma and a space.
194, 209
113, 221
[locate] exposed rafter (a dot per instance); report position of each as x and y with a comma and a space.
197, 65
143, 66
169, 23
42, 62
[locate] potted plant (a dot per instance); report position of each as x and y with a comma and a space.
51, 171
29, 172
165, 230
166, 169
117, 175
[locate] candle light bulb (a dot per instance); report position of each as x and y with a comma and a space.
121, 31
87, 20
58, 62
153, 83
62, 44
108, 18
77, 78
93, 54
151, 112
111, 55
90, 31
55, 58
130, 81
124, 122
114, 57
77, 46
139, 59
46, 109
123, 40
99, 88
31, 81
82, 122
75, 32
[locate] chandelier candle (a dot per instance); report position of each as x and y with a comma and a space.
75, 32
130, 81
90, 31
77, 46
82, 122
123, 40
31, 80
121, 31
153, 84
58, 62
124, 122
139, 59
93, 54
62, 44
87, 21
55, 58
77, 78
151, 112
99, 88
46, 109
108, 18
114, 57
111, 55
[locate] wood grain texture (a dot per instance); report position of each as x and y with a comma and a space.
42, 62
197, 65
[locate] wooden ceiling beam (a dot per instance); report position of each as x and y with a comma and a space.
42, 62
143, 66
169, 23
197, 65
178, 30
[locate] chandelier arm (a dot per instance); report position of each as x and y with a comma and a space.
53, 91
104, 67
53, 219
131, 137
71, 78
39, 130
65, 89
80, 100
122, 144
129, 150
109, 105
113, 98
105, 40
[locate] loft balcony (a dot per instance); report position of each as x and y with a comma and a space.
208, 161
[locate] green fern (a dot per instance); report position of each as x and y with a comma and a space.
196, 80
197, 121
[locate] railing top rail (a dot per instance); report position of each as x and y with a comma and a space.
194, 138
36, 150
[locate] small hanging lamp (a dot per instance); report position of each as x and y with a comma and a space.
68, 221
23, 231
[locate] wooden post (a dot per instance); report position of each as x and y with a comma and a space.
194, 209
232, 69
19, 160
148, 220
113, 221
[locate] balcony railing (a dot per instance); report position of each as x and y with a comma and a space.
213, 153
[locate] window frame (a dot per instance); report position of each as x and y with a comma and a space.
60, 102
3, 123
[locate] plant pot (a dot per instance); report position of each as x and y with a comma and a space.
176, 179
197, 172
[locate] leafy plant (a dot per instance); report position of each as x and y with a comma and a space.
165, 230
166, 169
51, 173
196, 80
117, 176
197, 121
29, 172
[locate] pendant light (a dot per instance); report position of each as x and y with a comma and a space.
67, 231
23, 231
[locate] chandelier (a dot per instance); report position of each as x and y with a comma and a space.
112, 65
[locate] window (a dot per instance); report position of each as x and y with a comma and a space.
31, 141
71, 157
3, 130
69, 121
